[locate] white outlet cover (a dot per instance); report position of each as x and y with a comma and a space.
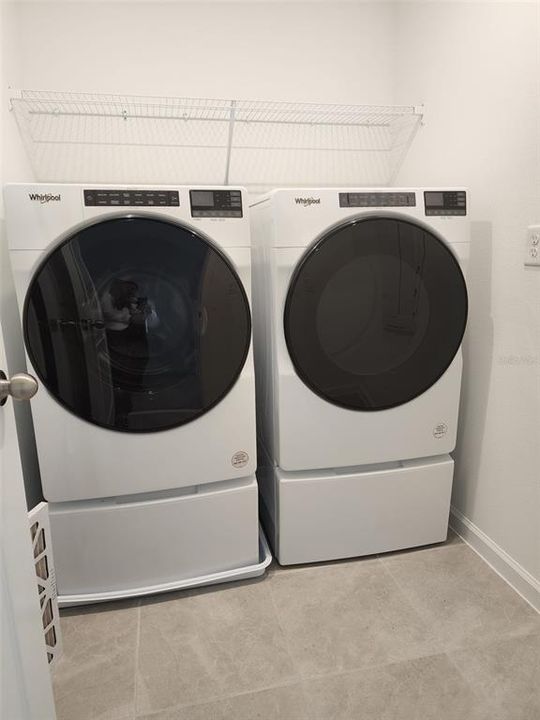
532, 247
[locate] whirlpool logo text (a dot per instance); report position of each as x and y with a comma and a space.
306, 202
44, 197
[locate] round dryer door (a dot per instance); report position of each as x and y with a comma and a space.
375, 313
137, 324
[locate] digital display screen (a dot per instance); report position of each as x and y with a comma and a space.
202, 198
216, 203
434, 199
445, 202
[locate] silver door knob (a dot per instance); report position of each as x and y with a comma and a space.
21, 387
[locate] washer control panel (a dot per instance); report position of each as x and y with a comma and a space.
216, 203
445, 202
132, 198
377, 199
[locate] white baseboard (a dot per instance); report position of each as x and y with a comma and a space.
516, 576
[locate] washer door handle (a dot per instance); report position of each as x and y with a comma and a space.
21, 387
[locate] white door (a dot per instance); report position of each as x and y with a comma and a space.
25, 689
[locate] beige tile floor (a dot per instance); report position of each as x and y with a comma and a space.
428, 634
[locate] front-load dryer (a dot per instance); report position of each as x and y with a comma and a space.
360, 306
135, 305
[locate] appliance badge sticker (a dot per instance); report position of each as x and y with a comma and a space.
44, 197
239, 459
307, 201
440, 430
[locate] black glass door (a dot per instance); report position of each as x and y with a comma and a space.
137, 324
375, 313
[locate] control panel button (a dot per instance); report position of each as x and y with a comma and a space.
131, 198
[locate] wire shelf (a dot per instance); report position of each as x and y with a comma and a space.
94, 137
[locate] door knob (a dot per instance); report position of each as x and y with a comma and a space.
21, 387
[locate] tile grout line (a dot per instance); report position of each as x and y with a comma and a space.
384, 561
395, 580
300, 682
282, 630
219, 698
408, 596
480, 695
136, 668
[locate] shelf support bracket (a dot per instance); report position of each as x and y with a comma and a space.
229, 141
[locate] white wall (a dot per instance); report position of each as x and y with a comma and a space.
14, 165
477, 66
327, 52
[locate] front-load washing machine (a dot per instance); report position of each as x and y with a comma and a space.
360, 307
135, 305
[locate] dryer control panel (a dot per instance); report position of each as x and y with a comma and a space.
216, 203
445, 202
131, 198
377, 199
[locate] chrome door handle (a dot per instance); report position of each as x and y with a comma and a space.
21, 387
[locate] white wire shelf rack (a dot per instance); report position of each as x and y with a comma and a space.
94, 137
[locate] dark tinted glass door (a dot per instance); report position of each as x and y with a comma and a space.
375, 313
137, 324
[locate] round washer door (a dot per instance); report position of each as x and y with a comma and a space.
375, 313
137, 324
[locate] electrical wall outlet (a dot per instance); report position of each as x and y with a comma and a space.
532, 248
